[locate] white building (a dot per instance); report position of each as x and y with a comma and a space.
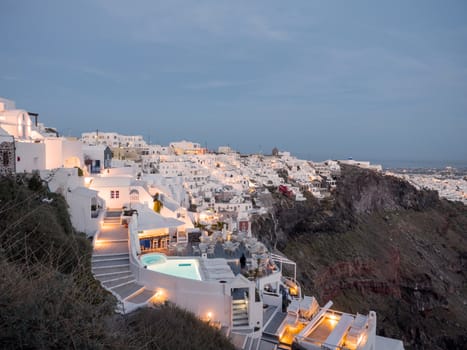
362, 164
85, 206
113, 139
187, 147
225, 150
35, 151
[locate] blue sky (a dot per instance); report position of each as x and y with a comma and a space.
323, 79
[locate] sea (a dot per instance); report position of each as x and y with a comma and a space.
399, 164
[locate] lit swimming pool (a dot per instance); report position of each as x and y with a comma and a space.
184, 268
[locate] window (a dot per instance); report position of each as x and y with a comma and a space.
6, 158
114, 194
134, 195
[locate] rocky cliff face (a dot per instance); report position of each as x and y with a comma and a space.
377, 243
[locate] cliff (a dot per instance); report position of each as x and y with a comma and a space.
379, 244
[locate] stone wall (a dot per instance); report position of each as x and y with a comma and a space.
7, 158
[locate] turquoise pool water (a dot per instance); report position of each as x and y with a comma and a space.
184, 268
151, 259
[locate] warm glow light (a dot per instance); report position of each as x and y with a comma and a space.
87, 181
159, 297
333, 319
209, 314
290, 332
293, 291
100, 243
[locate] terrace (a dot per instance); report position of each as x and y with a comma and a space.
230, 249
331, 329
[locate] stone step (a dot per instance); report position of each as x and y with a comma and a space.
239, 307
238, 301
107, 271
243, 330
109, 263
240, 323
113, 213
111, 222
112, 241
109, 257
127, 290
239, 314
114, 276
240, 317
142, 297
118, 282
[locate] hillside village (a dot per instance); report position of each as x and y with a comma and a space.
173, 223
449, 184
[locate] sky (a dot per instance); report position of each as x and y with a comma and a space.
321, 79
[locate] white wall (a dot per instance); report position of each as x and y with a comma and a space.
123, 196
16, 122
72, 153
80, 213
200, 297
54, 154
30, 156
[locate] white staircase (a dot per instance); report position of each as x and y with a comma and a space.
111, 266
239, 314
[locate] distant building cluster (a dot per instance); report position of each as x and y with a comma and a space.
448, 184
112, 139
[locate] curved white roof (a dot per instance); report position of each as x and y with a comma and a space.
150, 220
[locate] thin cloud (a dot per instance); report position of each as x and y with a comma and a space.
9, 78
189, 23
217, 84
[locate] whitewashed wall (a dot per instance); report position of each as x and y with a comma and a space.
30, 156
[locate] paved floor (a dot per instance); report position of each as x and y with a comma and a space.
111, 248
113, 232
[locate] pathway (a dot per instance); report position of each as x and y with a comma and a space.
111, 264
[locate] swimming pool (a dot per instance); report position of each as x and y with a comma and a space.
184, 268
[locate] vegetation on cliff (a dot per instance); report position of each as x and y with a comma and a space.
48, 296
377, 243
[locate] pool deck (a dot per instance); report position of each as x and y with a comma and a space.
232, 258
